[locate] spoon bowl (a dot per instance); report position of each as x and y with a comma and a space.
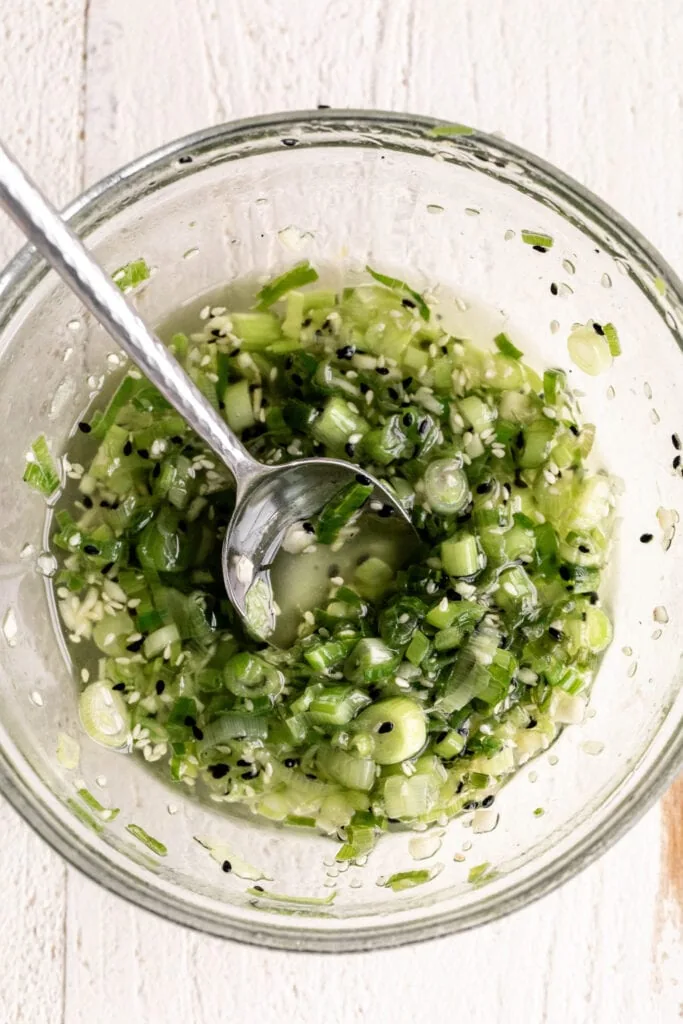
271, 501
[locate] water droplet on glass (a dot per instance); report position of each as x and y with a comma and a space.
26, 551
592, 747
10, 628
554, 326
647, 390
568, 266
434, 208
189, 253
74, 325
46, 564
294, 238
37, 699
472, 211
509, 234
606, 281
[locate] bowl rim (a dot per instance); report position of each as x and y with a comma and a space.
20, 277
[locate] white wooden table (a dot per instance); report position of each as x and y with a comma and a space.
86, 85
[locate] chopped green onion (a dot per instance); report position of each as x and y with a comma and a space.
537, 238
131, 275
41, 472
505, 346
400, 286
340, 509
303, 273
147, 840
448, 130
612, 339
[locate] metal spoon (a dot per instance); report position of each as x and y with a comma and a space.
269, 499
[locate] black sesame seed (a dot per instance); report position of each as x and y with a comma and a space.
598, 329
346, 352
645, 538
593, 597
252, 773
407, 381
243, 764
442, 736
323, 106
393, 394
555, 633
540, 248
197, 732
532, 723
135, 645
484, 487
363, 388
350, 450
105, 568
564, 572
488, 800
157, 470
386, 727
309, 775
90, 549
307, 322
87, 501
291, 762
226, 866
461, 786
160, 686
189, 721
382, 371
677, 461
553, 289
676, 441
289, 363
216, 333
519, 482
143, 453
361, 478
408, 420
574, 429
409, 304
185, 159
84, 427
384, 512
119, 686
584, 549
472, 805
519, 441
297, 379
128, 448
308, 527
258, 888
104, 504
289, 142
423, 427
176, 439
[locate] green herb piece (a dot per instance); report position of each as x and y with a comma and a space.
537, 238
149, 841
303, 273
612, 339
506, 348
400, 286
41, 472
447, 130
131, 274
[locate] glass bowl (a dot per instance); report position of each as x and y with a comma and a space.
438, 205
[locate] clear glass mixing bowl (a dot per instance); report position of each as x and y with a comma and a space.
346, 189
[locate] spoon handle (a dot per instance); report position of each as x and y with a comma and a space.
51, 235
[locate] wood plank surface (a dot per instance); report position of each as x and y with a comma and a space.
86, 85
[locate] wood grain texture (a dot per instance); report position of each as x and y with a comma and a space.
41, 117
596, 89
